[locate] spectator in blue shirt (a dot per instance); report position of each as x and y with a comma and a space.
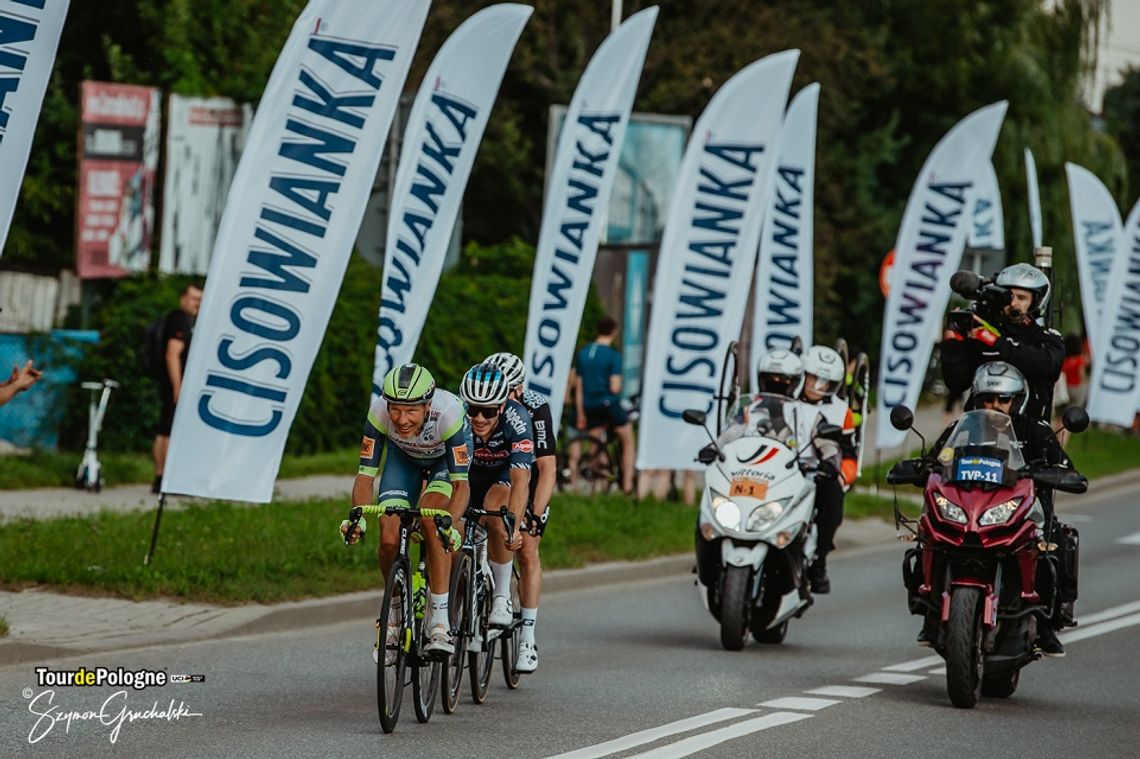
598, 395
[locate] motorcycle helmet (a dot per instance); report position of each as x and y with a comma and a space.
1002, 379
779, 372
1027, 277
826, 367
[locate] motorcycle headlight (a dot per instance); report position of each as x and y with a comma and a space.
726, 512
999, 514
764, 514
949, 509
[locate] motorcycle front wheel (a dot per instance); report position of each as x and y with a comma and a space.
734, 606
964, 662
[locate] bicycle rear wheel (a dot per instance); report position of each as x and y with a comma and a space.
460, 622
392, 654
481, 662
510, 649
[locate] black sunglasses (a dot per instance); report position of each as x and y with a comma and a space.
990, 398
487, 412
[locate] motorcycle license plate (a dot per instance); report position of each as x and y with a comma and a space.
748, 488
979, 469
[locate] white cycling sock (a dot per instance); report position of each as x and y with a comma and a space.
439, 610
502, 575
529, 620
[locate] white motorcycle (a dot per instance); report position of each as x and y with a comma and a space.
756, 535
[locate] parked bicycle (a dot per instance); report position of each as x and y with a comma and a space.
600, 463
399, 628
472, 588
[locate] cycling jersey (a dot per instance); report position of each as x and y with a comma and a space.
446, 434
510, 444
542, 421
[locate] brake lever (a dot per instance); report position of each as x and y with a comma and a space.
353, 520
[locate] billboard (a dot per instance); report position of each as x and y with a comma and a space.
118, 158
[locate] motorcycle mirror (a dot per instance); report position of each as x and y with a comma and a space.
1075, 419
902, 418
694, 416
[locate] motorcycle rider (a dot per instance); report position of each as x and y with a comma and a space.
779, 373
999, 386
1016, 338
824, 373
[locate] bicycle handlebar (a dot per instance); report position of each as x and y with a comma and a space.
442, 518
503, 513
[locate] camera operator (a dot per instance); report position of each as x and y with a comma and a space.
1002, 326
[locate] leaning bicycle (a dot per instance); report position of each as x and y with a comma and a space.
399, 628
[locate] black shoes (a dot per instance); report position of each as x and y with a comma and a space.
817, 576
1048, 641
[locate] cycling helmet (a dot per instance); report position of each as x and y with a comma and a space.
1001, 379
780, 372
826, 366
512, 367
484, 385
1027, 277
408, 385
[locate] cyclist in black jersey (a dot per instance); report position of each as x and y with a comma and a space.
500, 471
543, 477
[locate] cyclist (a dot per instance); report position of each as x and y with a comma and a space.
824, 372
500, 471
543, 476
420, 437
598, 395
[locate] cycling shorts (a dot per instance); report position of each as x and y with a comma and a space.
402, 477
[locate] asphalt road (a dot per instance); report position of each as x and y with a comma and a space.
636, 670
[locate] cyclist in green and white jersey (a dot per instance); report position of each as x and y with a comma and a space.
418, 439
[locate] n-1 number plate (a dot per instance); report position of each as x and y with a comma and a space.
748, 488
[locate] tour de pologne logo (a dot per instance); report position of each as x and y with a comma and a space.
62, 704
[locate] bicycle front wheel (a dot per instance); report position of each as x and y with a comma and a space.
481, 661
461, 623
392, 638
511, 636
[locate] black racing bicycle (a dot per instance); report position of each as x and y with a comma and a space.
472, 587
400, 626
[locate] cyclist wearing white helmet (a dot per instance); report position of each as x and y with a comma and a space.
824, 374
418, 434
543, 476
500, 471
1015, 337
999, 386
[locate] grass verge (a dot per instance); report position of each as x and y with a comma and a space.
49, 469
3, 627
227, 554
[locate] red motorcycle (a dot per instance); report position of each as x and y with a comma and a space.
985, 561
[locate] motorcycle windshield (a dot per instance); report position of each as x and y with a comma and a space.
982, 448
771, 416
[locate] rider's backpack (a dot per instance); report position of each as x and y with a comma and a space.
154, 348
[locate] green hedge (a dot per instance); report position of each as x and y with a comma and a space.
480, 307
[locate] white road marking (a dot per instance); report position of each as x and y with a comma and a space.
1100, 629
627, 742
938, 670
1130, 540
708, 740
846, 691
800, 702
889, 678
911, 666
1115, 611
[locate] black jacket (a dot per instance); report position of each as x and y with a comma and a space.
1036, 352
